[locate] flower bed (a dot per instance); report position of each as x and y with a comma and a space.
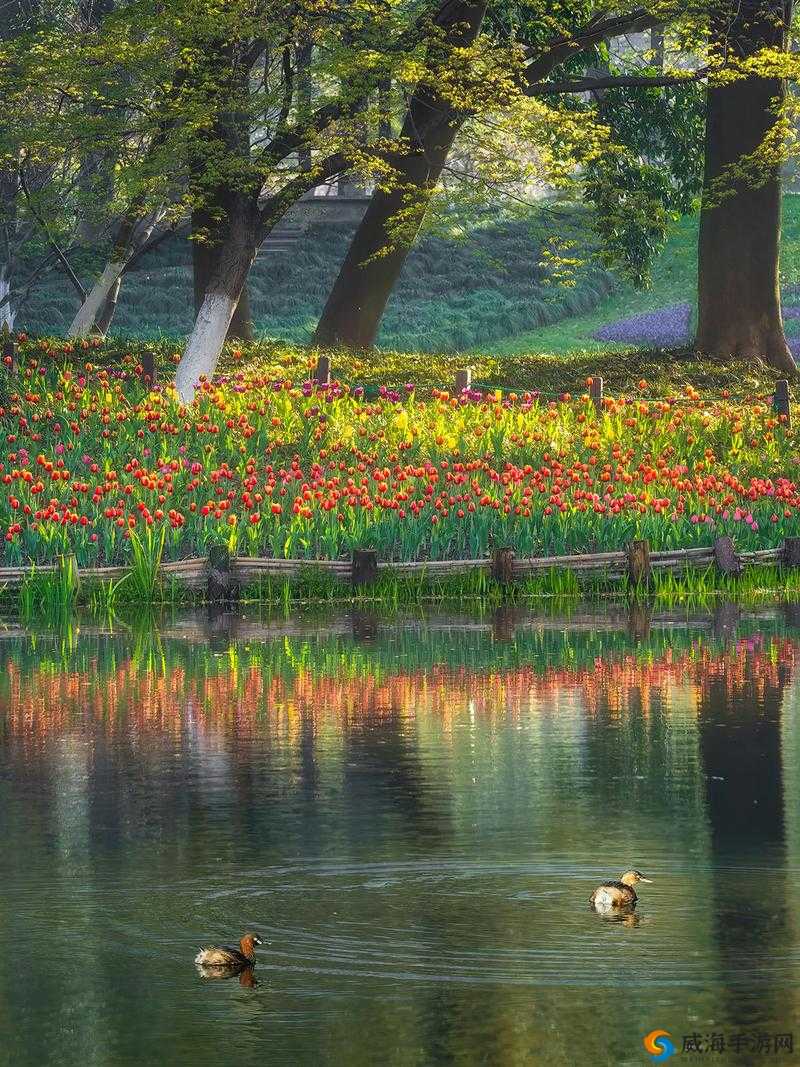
670, 327
667, 327
93, 464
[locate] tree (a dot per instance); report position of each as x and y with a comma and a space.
739, 308
202, 109
308, 139
64, 159
380, 246
321, 134
376, 256
212, 196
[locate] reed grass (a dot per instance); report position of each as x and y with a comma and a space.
50, 594
143, 582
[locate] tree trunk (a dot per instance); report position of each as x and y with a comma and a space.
205, 258
739, 307
360, 293
7, 314
234, 257
109, 308
101, 300
90, 309
220, 195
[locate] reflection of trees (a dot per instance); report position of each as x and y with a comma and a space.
383, 778
739, 708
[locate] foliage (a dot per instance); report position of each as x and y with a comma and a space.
181, 100
650, 175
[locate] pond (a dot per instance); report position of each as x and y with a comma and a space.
411, 811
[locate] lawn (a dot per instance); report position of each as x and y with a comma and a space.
94, 464
674, 282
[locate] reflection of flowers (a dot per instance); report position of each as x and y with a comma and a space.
40, 703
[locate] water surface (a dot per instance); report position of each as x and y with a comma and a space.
411, 812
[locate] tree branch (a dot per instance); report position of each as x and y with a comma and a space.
147, 247
299, 135
598, 29
621, 81
65, 263
275, 207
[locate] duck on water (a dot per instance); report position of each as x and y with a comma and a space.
226, 960
619, 894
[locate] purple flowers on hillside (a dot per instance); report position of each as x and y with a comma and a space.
668, 327
665, 327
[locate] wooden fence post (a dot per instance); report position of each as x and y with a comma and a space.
791, 552
463, 381
503, 566
639, 622
219, 573
149, 367
780, 401
639, 562
725, 556
322, 375
364, 567
596, 394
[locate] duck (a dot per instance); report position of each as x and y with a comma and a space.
618, 894
227, 958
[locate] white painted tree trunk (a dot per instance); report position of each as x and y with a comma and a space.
90, 309
7, 312
132, 235
204, 347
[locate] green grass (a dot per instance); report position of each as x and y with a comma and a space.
52, 598
453, 294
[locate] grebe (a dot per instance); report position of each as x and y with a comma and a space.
228, 958
617, 894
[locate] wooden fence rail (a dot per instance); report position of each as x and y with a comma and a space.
221, 576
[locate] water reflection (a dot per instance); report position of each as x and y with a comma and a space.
412, 814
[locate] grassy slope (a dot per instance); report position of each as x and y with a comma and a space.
674, 281
453, 294
484, 294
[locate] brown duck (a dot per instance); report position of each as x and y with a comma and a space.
617, 894
227, 957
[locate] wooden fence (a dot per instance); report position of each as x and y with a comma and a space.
219, 577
